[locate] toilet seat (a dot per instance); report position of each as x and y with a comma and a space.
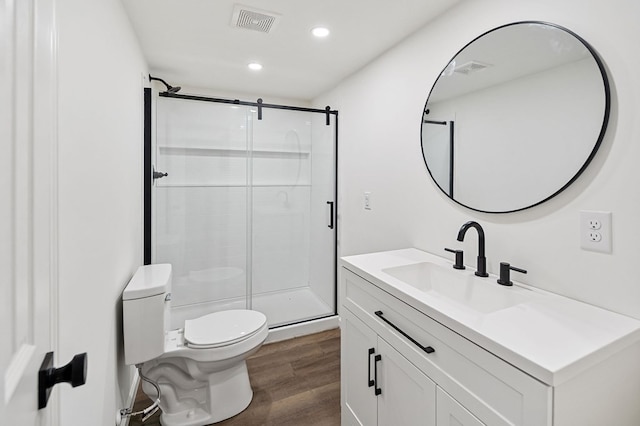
222, 328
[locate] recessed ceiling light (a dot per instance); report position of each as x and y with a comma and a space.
255, 66
320, 32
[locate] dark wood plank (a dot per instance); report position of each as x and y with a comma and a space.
296, 381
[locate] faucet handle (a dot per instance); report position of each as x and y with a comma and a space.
459, 264
505, 270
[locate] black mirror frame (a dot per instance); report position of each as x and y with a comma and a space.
603, 129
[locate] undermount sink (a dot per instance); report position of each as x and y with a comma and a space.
461, 287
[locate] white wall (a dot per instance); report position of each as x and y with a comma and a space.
380, 113
100, 201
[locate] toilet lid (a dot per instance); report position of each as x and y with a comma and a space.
222, 328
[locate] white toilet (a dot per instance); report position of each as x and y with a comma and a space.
201, 368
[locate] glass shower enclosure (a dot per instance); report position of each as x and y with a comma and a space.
246, 211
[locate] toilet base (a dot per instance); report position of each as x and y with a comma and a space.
229, 393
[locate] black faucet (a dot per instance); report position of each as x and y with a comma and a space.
505, 270
459, 258
482, 260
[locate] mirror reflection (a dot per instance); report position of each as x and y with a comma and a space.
515, 117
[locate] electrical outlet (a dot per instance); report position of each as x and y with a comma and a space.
367, 201
595, 236
594, 223
595, 231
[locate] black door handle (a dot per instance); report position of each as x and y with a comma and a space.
331, 214
158, 175
376, 389
369, 381
75, 373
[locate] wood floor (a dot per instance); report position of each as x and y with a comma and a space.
295, 382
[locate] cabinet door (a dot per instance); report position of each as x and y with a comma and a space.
451, 413
358, 348
407, 396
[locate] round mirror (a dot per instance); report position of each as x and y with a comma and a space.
515, 117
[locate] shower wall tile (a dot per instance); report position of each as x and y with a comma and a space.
184, 123
201, 167
284, 130
280, 238
203, 229
213, 224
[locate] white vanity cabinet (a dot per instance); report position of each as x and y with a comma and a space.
408, 376
545, 361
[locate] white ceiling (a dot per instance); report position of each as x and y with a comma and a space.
193, 43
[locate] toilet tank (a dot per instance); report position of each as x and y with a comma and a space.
145, 307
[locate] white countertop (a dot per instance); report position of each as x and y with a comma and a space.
550, 337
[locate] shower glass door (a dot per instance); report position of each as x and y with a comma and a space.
293, 185
200, 210
246, 212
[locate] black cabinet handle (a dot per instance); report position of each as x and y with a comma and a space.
377, 390
369, 381
330, 214
427, 349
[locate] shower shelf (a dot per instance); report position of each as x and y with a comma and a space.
231, 152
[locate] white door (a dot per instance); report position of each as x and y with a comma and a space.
359, 344
451, 413
27, 206
407, 396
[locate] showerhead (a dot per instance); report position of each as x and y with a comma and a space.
170, 89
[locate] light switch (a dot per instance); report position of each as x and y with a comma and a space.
367, 200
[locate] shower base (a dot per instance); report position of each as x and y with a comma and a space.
281, 308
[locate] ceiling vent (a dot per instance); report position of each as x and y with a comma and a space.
470, 67
254, 19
